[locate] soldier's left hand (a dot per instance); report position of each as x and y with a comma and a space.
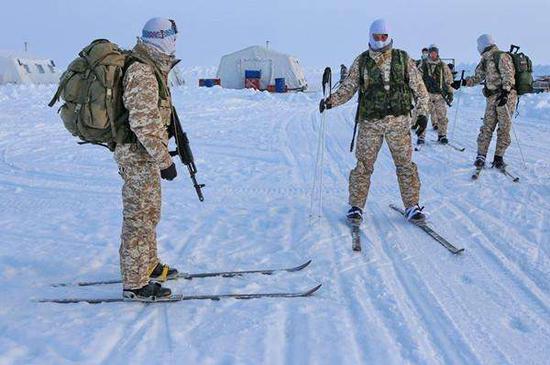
169, 173
456, 84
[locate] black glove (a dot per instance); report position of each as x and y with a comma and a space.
422, 122
324, 104
456, 84
169, 173
502, 99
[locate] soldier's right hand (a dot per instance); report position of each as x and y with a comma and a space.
169, 173
324, 104
422, 122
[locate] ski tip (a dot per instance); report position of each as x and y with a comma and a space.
459, 251
298, 268
59, 285
313, 290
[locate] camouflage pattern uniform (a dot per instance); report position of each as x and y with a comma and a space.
395, 129
496, 80
438, 106
140, 164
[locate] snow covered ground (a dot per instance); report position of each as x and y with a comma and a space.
403, 300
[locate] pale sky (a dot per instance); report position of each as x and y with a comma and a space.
318, 32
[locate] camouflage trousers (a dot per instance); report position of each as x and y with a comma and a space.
396, 132
141, 200
438, 114
501, 115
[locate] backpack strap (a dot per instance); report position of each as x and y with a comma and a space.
64, 79
164, 92
496, 59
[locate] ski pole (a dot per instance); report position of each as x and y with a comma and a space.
319, 161
519, 146
457, 105
516, 136
327, 78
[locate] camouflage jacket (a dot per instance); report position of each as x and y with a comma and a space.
443, 80
149, 116
496, 78
349, 87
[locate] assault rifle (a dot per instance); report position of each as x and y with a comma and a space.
432, 84
183, 150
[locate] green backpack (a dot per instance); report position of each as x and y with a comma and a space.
523, 69
91, 88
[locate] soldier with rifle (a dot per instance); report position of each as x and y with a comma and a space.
153, 119
438, 78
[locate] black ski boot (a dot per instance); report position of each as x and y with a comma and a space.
162, 272
480, 161
414, 214
442, 139
355, 215
498, 162
148, 293
420, 141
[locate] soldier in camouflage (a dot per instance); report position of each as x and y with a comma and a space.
414, 114
142, 164
438, 78
496, 69
387, 80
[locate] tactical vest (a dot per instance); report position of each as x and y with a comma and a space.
375, 102
434, 82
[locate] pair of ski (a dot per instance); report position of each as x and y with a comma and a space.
478, 170
356, 233
179, 298
449, 144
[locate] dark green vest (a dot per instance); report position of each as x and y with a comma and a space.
433, 81
375, 102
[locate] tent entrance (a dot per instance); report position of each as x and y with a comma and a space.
264, 65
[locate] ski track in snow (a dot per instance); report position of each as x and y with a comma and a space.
403, 300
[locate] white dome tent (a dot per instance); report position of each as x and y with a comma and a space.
272, 65
23, 68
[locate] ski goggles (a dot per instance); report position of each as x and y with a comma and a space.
380, 37
163, 33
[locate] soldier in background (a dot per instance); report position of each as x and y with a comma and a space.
496, 69
438, 79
